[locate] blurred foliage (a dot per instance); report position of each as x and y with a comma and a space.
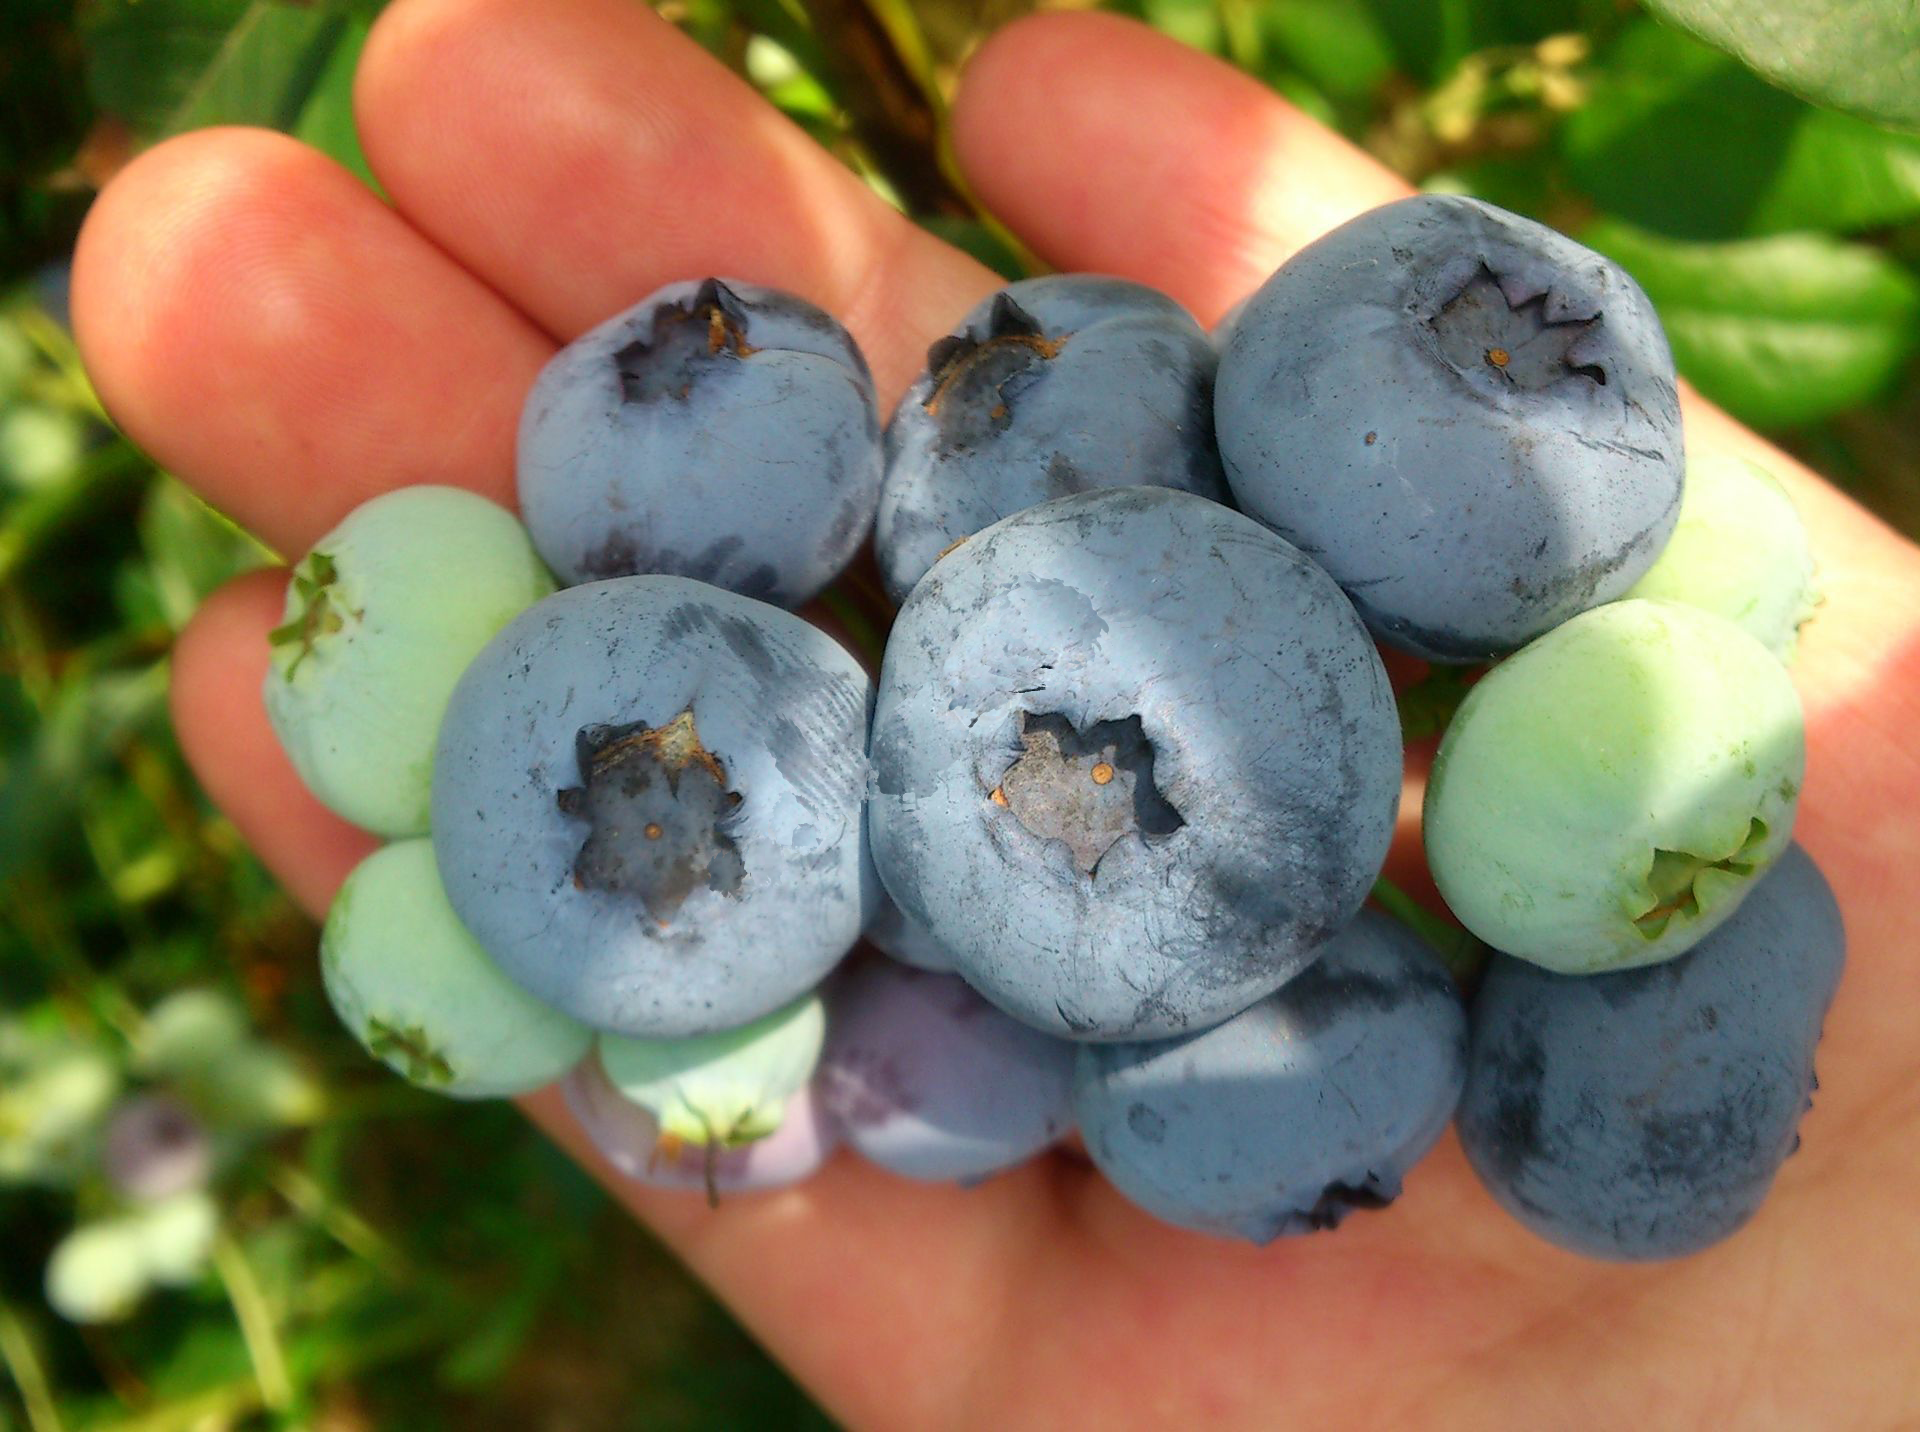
346, 1252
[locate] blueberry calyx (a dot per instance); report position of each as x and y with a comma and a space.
661, 813
709, 327
319, 615
1673, 875
409, 1044
1337, 1200
1085, 788
1482, 328
974, 379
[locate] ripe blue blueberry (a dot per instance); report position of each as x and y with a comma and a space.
1314, 1102
1134, 759
1052, 386
1644, 1114
715, 430
901, 938
631, 1139
1469, 420
930, 1081
382, 616
648, 805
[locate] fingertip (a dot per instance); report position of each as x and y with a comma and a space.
152, 240
1110, 147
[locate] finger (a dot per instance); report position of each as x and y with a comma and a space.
261, 323
578, 154
219, 669
1202, 208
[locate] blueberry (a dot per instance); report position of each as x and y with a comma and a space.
1134, 758
1606, 796
648, 805
930, 1081
1740, 552
629, 1138
420, 994
154, 1147
1314, 1102
1644, 1114
1468, 419
101, 1269
723, 1089
382, 617
1051, 386
98, 1273
901, 938
715, 430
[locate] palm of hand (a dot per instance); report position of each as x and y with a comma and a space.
273, 333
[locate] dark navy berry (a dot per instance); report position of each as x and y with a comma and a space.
1644, 1114
1311, 1104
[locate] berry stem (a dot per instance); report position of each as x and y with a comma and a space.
1463, 955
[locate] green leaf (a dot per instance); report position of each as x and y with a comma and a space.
1336, 45
1431, 37
166, 66
1678, 138
1778, 330
326, 121
264, 70
144, 56
1862, 56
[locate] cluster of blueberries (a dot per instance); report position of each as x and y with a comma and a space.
1132, 763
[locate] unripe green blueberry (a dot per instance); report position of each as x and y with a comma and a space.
417, 990
98, 1272
382, 617
1739, 551
721, 1089
1605, 797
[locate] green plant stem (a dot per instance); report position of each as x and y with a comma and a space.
1459, 951
882, 80
23, 1364
256, 1322
865, 634
347, 1228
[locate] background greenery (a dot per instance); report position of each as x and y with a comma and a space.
362, 1255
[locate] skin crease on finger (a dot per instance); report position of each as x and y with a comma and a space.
1480, 1324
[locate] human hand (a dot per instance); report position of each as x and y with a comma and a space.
272, 332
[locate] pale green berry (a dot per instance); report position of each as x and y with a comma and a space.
256, 1085
418, 991
382, 617
176, 1237
721, 1089
187, 1031
98, 1271
1739, 551
1606, 796
52, 1095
